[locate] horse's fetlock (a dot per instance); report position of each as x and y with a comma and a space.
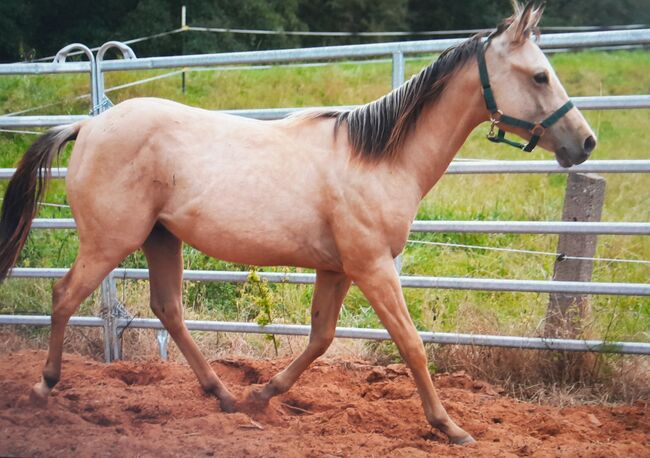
51, 379
276, 386
439, 423
211, 387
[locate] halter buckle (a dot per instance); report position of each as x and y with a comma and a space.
495, 118
538, 130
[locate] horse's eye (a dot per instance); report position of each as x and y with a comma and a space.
541, 78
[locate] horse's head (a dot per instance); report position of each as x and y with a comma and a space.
532, 102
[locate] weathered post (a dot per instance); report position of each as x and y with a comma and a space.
585, 194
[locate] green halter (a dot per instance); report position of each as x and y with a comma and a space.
497, 117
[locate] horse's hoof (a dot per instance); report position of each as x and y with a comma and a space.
228, 404
33, 399
467, 440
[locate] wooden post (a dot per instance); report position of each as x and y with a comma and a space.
583, 201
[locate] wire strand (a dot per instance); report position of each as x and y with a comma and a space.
558, 256
310, 33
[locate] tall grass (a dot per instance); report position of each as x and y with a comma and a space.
622, 134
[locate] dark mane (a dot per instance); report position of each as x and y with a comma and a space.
377, 130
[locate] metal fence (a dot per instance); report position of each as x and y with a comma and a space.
112, 323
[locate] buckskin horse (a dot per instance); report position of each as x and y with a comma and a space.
334, 191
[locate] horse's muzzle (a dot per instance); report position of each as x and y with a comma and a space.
566, 159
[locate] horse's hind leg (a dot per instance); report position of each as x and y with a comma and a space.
92, 265
329, 292
380, 284
163, 252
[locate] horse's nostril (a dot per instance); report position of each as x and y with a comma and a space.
590, 144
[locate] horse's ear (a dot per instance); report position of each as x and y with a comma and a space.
524, 21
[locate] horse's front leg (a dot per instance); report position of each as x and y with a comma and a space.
330, 289
380, 284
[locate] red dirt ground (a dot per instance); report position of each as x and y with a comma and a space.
338, 408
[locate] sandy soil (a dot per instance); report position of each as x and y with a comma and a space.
338, 408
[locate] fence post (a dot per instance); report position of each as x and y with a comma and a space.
162, 336
108, 295
397, 80
398, 69
585, 194
111, 309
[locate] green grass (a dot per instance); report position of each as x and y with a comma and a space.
622, 134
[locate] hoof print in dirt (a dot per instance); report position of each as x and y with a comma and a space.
148, 374
251, 401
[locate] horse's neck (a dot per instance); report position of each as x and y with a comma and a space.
443, 127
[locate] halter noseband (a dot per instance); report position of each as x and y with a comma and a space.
497, 117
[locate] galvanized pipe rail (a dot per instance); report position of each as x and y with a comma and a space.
548, 41
611, 102
493, 166
279, 56
492, 227
530, 343
407, 281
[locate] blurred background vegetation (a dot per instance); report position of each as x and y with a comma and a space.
37, 28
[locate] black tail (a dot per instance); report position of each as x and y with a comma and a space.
25, 190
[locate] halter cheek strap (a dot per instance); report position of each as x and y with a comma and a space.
497, 117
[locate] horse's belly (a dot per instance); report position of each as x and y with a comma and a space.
258, 240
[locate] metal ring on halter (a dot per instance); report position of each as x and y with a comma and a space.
495, 116
538, 130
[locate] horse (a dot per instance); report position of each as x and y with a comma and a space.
334, 191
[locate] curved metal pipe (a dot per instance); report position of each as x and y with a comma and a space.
74, 47
127, 53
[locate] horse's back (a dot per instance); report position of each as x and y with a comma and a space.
238, 189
